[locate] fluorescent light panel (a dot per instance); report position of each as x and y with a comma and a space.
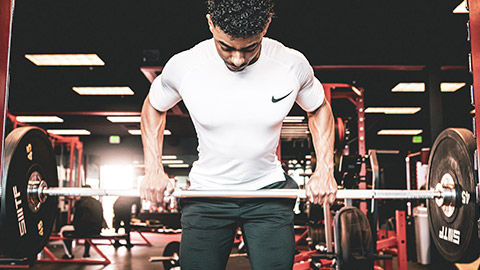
451, 86
172, 161
39, 119
69, 131
409, 87
169, 157
393, 110
399, 132
124, 119
420, 87
294, 119
178, 165
462, 8
139, 132
104, 91
65, 59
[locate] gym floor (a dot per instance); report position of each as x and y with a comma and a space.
137, 257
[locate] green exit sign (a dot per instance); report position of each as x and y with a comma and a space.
417, 139
114, 139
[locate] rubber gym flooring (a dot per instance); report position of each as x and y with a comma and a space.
137, 257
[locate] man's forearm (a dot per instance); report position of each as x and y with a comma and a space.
321, 125
152, 125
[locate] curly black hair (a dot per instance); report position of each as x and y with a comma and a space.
240, 18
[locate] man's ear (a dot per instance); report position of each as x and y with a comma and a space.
210, 23
266, 26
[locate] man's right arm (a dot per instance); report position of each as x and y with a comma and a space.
156, 181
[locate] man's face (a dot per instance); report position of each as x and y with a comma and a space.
237, 53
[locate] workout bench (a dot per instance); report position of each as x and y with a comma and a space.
103, 260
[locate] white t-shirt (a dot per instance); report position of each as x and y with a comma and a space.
237, 115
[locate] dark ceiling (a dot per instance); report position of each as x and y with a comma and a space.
125, 34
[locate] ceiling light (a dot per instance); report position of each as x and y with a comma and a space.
294, 119
308, 156
393, 110
172, 161
178, 165
65, 59
409, 87
169, 157
139, 132
399, 132
462, 8
420, 87
124, 119
451, 86
69, 131
39, 119
104, 91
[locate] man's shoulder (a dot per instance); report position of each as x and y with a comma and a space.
279, 52
200, 50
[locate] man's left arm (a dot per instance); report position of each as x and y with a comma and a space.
322, 186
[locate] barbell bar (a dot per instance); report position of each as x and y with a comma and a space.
446, 195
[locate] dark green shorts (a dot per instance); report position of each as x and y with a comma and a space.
209, 227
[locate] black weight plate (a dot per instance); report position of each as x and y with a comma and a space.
316, 233
171, 250
25, 232
454, 233
353, 239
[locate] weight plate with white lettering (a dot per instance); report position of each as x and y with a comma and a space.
29, 161
454, 228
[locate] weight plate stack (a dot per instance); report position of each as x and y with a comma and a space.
454, 228
28, 161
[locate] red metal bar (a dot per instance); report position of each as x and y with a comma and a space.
386, 243
6, 16
148, 243
474, 13
106, 260
151, 72
304, 256
54, 259
301, 237
328, 92
401, 239
362, 149
81, 181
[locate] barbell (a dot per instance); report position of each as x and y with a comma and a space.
29, 190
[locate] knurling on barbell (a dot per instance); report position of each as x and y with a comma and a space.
30, 179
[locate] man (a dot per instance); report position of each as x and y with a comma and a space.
123, 211
238, 88
87, 221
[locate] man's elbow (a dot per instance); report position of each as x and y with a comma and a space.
325, 106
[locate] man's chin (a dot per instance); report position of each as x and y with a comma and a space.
236, 69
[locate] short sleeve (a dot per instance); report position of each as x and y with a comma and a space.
311, 94
164, 91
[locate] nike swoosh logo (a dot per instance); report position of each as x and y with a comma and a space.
275, 100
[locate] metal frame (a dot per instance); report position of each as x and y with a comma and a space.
474, 13
6, 16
